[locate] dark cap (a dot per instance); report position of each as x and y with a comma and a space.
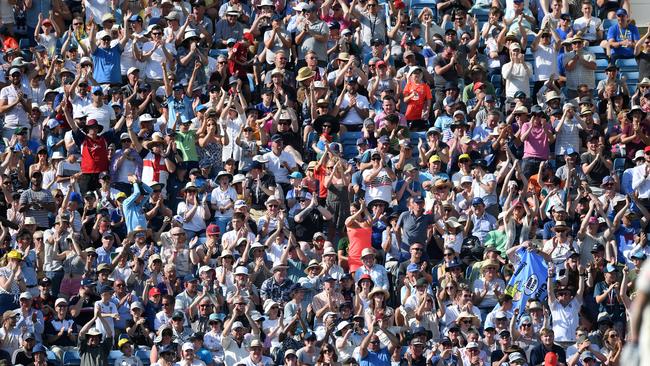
520, 95
178, 315
451, 85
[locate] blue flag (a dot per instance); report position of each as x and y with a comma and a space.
528, 281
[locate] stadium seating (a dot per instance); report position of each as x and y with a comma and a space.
113, 356
627, 65
143, 355
71, 358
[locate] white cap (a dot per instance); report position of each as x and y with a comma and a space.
86, 60
145, 117
132, 70
101, 34
188, 346
241, 270
60, 300
204, 269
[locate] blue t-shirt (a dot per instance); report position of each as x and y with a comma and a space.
631, 32
376, 358
107, 65
182, 106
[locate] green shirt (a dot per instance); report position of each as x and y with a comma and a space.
186, 144
497, 239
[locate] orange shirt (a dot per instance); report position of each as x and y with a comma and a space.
415, 105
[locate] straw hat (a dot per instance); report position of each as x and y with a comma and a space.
377, 290
466, 315
156, 139
305, 73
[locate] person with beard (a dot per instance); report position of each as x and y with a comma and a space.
24, 355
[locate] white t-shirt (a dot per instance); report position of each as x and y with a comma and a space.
66, 169
275, 167
565, 320
97, 9
197, 223
104, 115
595, 25
380, 187
79, 102
16, 116
545, 62
127, 60
109, 308
153, 66
352, 117
222, 198
517, 78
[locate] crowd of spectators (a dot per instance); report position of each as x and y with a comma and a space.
322, 183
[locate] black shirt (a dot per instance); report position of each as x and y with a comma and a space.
87, 308
311, 224
643, 60
258, 197
21, 358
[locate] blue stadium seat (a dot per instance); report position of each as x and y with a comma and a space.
52, 358
350, 137
608, 23
598, 51
632, 76
113, 356
627, 65
619, 166
528, 57
350, 151
601, 64
632, 87
24, 44
531, 38
143, 355
496, 80
71, 358
600, 76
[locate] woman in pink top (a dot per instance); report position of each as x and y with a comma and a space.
537, 135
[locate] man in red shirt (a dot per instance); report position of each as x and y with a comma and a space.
94, 150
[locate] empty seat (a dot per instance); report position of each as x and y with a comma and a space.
598, 51
627, 64
71, 358
601, 64
350, 137
143, 355
113, 356
52, 358
631, 76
